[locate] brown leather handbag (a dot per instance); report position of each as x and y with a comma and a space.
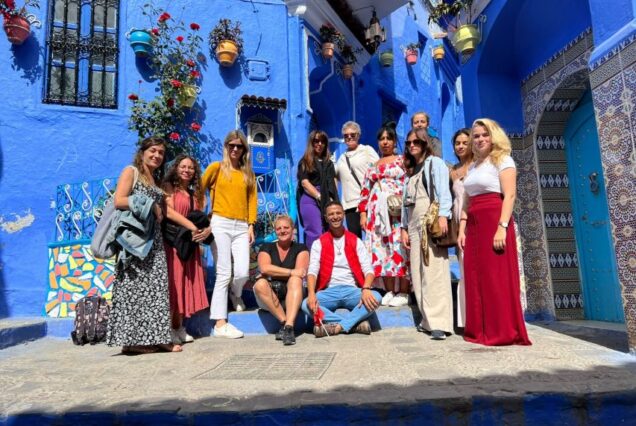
440, 240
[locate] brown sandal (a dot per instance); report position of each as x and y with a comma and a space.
137, 350
169, 347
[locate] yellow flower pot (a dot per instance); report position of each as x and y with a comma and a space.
466, 39
438, 53
187, 95
226, 53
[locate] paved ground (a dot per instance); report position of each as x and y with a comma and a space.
54, 376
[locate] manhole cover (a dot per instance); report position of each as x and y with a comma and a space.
272, 366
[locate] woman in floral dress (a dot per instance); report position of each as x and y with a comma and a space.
382, 230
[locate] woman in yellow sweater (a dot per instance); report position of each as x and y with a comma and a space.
232, 186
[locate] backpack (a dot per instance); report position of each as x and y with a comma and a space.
101, 247
91, 320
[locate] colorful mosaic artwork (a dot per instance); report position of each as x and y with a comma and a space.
73, 274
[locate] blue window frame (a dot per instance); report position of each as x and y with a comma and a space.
82, 53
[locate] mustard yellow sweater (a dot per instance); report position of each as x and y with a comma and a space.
231, 197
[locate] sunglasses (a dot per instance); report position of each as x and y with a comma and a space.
318, 141
350, 135
419, 142
233, 146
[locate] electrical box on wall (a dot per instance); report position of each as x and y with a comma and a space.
260, 137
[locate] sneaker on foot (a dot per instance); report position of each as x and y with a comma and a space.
184, 336
237, 302
363, 328
438, 335
400, 299
387, 298
279, 333
174, 337
228, 331
331, 329
288, 336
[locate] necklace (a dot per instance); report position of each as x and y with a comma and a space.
339, 249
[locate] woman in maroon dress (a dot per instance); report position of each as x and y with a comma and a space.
186, 278
486, 234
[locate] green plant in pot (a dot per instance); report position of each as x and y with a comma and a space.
457, 17
226, 41
331, 38
350, 58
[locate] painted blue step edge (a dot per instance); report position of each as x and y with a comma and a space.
22, 332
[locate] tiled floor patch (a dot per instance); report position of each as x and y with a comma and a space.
272, 366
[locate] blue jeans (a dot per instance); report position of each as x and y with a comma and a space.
342, 296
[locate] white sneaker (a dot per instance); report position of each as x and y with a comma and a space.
174, 337
184, 336
228, 331
400, 299
386, 300
237, 302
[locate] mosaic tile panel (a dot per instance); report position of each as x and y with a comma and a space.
73, 274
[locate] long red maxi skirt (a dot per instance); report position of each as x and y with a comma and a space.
493, 306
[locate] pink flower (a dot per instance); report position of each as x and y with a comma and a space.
155, 31
195, 126
179, 39
195, 74
190, 63
164, 17
133, 97
174, 136
194, 26
176, 83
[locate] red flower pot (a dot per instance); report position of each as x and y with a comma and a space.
17, 28
411, 57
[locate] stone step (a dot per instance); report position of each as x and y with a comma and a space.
14, 331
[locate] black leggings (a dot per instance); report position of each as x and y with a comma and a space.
353, 221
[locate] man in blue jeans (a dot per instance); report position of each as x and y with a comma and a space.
340, 276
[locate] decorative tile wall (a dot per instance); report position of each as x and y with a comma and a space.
613, 79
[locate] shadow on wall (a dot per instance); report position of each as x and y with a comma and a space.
4, 308
28, 58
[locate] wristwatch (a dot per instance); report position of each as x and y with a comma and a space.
504, 225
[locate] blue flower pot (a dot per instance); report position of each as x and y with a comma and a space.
141, 42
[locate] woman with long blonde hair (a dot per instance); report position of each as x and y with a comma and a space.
487, 236
232, 186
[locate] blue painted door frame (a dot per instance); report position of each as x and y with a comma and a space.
597, 260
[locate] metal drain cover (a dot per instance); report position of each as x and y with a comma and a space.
272, 366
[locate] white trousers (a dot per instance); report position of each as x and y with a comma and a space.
230, 241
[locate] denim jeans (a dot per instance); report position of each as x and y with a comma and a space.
342, 296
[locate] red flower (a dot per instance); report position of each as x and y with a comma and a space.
164, 17
195, 74
174, 136
179, 39
170, 102
190, 63
194, 26
195, 126
176, 83
133, 97
10, 4
155, 31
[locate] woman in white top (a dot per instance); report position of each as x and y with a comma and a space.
351, 168
491, 270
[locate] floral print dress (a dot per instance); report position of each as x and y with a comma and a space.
388, 254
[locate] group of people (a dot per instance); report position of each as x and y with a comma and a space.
390, 204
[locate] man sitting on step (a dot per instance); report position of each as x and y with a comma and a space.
340, 276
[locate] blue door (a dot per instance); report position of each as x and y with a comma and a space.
597, 261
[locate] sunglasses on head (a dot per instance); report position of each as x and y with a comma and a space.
419, 142
233, 146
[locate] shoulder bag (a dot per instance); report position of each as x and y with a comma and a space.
432, 216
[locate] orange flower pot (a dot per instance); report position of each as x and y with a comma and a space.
347, 71
226, 53
327, 50
17, 28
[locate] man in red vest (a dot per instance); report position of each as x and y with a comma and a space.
340, 276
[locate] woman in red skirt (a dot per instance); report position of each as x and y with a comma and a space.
486, 234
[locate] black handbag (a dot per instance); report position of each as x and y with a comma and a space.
180, 237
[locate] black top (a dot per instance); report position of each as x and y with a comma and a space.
321, 170
290, 259
323, 175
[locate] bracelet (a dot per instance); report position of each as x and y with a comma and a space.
463, 219
365, 288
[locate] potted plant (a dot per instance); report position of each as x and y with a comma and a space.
457, 17
386, 58
331, 38
141, 41
438, 51
226, 41
175, 64
410, 53
17, 22
349, 55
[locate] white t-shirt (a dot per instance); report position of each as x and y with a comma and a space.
341, 273
361, 159
485, 177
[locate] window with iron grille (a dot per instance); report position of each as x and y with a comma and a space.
82, 53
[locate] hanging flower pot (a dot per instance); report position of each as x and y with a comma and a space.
411, 56
466, 39
140, 41
386, 58
187, 95
327, 50
347, 71
17, 28
438, 52
226, 53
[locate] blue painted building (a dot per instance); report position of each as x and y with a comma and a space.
562, 88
